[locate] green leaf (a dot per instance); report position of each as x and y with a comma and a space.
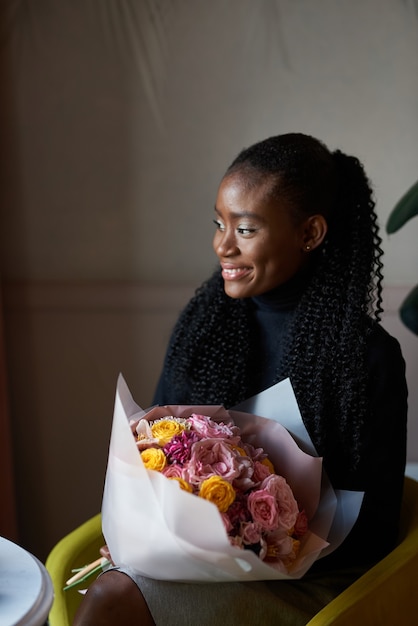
409, 311
404, 210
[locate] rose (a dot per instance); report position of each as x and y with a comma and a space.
278, 550
227, 522
263, 508
166, 428
183, 483
250, 533
238, 511
261, 471
144, 438
173, 471
266, 461
219, 491
288, 509
212, 457
301, 525
154, 458
209, 429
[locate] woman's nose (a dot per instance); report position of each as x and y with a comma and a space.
225, 244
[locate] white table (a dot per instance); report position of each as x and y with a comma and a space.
26, 592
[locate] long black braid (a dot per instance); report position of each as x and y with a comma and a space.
325, 349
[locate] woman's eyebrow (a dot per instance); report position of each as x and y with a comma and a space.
241, 214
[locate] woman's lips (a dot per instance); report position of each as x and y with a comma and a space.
234, 273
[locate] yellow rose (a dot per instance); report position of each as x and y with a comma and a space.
268, 464
240, 450
164, 430
183, 483
219, 491
288, 561
154, 458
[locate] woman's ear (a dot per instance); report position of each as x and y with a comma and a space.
315, 229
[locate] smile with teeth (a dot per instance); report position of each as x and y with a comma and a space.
234, 273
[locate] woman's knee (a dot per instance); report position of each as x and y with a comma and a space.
113, 598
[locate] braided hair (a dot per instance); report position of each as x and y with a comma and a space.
325, 351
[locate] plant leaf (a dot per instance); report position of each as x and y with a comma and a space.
409, 311
404, 210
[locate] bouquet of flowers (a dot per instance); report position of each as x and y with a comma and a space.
198, 493
209, 459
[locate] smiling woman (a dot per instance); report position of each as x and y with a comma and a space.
257, 242
298, 295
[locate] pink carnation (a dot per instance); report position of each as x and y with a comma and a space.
257, 454
245, 468
208, 428
179, 449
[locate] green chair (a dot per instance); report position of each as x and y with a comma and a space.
383, 596
75, 550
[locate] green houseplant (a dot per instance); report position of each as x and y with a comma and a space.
404, 210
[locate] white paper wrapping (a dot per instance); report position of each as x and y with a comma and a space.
163, 532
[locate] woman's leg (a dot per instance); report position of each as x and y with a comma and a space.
112, 599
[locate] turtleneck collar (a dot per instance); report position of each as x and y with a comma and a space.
284, 297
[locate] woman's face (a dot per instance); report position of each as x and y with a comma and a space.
257, 242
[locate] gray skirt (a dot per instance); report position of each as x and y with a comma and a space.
278, 603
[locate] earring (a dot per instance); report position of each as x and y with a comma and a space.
307, 248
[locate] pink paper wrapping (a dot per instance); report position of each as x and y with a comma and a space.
160, 531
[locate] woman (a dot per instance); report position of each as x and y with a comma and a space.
298, 295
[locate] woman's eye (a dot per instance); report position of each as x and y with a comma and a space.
245, 230
219, 225
241, 230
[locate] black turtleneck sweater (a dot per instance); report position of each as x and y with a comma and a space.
273, 314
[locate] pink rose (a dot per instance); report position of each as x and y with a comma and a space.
261, 472
238, 511
288, 509
277, 550
301, 525
263, 508
250, 533
227, 522
173, 471
212, 457
236, 541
